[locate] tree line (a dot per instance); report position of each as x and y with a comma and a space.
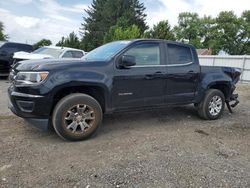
109, 20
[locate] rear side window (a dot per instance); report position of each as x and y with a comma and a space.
179, 54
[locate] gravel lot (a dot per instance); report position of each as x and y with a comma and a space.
165, 148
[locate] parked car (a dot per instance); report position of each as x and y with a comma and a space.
117, 77
48, 52
7, 49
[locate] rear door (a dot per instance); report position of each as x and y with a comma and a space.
143, 84
182, 74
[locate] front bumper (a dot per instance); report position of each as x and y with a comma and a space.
35, 109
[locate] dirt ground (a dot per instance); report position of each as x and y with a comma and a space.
170, 147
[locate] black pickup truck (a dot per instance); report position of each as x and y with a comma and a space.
72, 95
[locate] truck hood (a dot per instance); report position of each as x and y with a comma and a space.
46, 64
26, 55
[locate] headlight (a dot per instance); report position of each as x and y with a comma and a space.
30, 78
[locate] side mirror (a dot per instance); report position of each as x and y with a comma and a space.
127, 61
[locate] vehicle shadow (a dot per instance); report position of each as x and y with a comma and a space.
144, 119
120, 122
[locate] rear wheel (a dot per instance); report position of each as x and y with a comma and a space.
77, 117
212, 106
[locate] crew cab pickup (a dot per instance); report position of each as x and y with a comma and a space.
72, 95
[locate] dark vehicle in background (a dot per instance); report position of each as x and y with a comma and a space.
120, 76
7, 49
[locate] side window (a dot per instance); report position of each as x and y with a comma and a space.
77, 54
145, 54
10, 45
10, 48
67, 54
26, 47
179, 54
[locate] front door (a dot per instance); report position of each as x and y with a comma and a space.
143, 84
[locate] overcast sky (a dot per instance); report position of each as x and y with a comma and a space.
31, 20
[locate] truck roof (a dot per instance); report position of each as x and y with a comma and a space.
168, 41
3, 42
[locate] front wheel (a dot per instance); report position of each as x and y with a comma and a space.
212, 106
76, 117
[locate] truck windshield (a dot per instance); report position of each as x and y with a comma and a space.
105, 52
49, 51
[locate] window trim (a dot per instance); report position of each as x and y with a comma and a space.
169, 65
179, 64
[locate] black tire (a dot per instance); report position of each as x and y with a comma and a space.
204, 108
70, 105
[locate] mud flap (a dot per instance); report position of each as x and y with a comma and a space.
232, 102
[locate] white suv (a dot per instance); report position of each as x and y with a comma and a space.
48, 52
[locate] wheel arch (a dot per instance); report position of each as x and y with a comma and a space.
223, 86
96, 91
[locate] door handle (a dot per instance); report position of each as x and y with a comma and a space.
155, 75
149, 76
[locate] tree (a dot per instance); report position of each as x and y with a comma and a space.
2, 35
120, 33
41, 43
103, 14
226, 32
71, 41
245, 34
233, 32
208, 34
188, 28
162, 30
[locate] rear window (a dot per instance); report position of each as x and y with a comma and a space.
179, 54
